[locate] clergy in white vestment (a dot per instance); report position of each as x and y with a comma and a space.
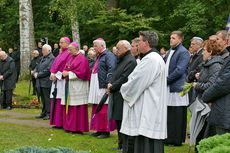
75, 98
177, 61
144, 122
56, 112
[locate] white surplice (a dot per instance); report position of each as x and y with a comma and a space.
95, 94
78, 91
174, 98
145, 99
60, 85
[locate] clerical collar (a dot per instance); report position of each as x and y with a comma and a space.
136, 57
143, 55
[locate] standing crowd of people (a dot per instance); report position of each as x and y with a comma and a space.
134, 89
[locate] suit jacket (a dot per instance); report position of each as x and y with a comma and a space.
125, 66
7, 69
195, 65
106, 66
177, 68
43, 70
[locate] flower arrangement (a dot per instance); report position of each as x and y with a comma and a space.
186, 88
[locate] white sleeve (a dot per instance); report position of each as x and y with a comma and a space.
72, 75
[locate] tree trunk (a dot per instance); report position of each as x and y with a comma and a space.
75, 30
75, 25
26, 34
32, 39
111, 4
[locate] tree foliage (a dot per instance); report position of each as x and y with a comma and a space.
52, 19
116, 24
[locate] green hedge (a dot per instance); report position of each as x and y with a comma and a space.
215, 144
34, 149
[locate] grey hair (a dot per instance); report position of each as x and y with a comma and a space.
151, 37
82, 52
3, 53
91, 52
48, 47
126, 44
198, 40
101, 42
85, 46
136, 40
224, 34
36, 51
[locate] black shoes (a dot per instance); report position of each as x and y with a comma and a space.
8, 108
103, 135
47, 117
40, 116
96, 134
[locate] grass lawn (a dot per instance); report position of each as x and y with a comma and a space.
13, 136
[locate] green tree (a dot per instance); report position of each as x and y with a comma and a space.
116, 24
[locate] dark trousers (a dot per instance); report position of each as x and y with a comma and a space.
221, 131
6, 98
176, 125
34, 85
46, 102
146, 145
128, 144
17, 73
120, 141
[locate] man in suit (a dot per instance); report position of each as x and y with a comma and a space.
177, 61
42, 74
7, 79
195, 61
125, 66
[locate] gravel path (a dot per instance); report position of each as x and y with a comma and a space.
22, 119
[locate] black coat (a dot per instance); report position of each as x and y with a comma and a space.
7, 69
125, 66
39, 51
194, 67
219, 95
43, 70
56, 52
208, 74
34, 62
91, 62
16, 57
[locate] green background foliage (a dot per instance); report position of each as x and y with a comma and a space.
52, 19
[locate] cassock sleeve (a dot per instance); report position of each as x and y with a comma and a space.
72, 75
140, 79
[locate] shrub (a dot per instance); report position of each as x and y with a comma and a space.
215, 144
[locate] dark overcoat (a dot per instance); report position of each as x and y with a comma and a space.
219, 95
125, 66
7, 69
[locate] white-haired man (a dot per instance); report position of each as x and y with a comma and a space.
101, 75
7, 79
125, 66
42, 74
34, 62
196, 59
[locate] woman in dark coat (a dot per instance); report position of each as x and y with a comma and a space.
219, 97
207, 76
